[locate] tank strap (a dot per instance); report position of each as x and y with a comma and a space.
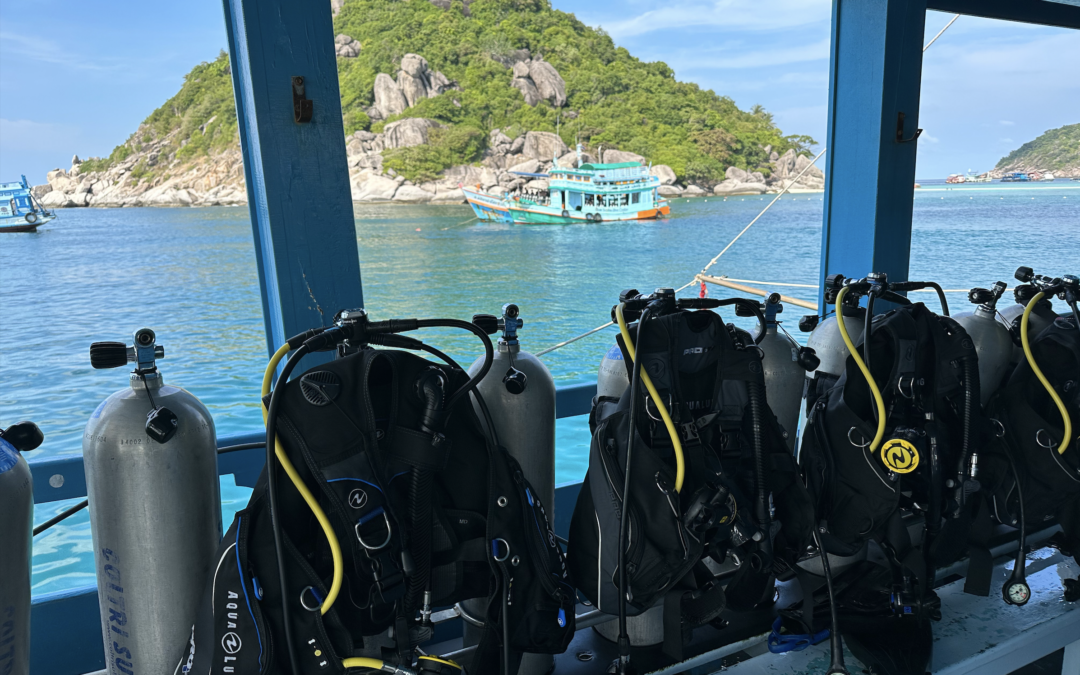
419, 449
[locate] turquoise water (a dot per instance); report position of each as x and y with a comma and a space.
98, 274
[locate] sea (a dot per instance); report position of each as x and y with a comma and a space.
190, 275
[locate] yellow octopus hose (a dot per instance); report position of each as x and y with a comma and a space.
680, 462
862, 366
1039, 374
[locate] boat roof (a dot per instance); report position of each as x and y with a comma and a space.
600, 167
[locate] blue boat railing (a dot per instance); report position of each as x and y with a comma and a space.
65, 625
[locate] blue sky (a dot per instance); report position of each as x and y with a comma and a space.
78, 77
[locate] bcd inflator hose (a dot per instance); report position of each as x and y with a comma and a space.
1026, 343
879, 402
680, 462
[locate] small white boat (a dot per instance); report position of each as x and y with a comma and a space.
19, 211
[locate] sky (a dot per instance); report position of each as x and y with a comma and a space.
79, 77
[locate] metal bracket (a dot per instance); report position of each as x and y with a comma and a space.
900, 130
302, 107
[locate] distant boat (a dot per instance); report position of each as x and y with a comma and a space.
956, 178
1017, 177
977, 178
1048, 177
587, 193
19, 211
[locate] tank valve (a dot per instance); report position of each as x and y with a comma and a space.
161, 423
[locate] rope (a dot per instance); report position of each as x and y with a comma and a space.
574, 339
932, 41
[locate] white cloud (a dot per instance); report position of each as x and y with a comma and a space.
1006, 123
729, 15
734, 57
927, 138
1006, 140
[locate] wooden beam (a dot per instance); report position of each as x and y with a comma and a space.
742, 288
297, 173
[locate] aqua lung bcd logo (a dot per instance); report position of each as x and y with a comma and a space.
357, 498
231, 643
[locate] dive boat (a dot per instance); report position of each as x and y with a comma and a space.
589, 192
1017, 177
19, 211
956, 178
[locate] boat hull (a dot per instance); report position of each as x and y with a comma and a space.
491, 208
19, 224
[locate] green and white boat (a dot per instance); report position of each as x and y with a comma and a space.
589, 192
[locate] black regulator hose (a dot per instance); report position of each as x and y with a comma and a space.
971, 377
271, 483
1019, 566
757, 425
489, 352
941, 296
624, 519
836, 666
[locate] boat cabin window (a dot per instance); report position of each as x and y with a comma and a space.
635, 198
588, 200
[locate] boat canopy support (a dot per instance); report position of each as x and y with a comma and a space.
295, 165
873, 125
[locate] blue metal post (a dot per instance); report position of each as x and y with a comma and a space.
297, 175
875, 73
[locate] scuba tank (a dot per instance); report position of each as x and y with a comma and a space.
16, 526
611, 379
992, 341
520, 396
786, 365
150, 453
1041, 316
828, 346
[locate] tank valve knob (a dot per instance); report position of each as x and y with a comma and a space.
834, 281
808, 359
108, 355
23, 436
487, 323
515, 381
1024, 274
808, 322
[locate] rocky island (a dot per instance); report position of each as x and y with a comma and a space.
437, 94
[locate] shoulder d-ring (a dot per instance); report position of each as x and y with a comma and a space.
315, 595
853, 442
389, 533
1049, 441
495, 549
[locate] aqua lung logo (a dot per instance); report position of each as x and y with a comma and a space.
357, 498
231, 643
696, 350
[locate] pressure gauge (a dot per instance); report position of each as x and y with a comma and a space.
1016, 593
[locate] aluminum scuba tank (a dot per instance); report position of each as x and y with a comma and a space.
829, 347
993, 344
611, 379
16, 535
520, 395
783, 360
1041, 316
155, 510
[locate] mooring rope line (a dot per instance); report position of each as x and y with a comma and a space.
697, 277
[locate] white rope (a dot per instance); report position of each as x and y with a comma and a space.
574, 339
932, 41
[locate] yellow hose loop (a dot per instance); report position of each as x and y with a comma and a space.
680, 462
880, 402
362, 662
1039, 374
320, 515
436, 659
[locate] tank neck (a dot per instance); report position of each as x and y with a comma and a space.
154, 381
505, 347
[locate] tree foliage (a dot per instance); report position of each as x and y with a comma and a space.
1056, 150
